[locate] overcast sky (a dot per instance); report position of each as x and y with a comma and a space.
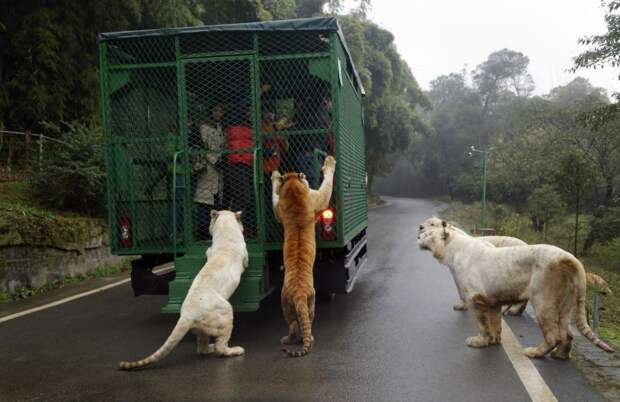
439, 36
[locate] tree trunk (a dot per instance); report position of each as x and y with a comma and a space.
609, 190
577, 215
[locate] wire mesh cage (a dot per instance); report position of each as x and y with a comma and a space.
196, 120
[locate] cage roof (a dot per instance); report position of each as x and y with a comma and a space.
327, 24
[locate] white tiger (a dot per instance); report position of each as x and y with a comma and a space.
497, 241
489, 277
206, 309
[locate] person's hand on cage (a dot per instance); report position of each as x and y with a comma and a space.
198, 163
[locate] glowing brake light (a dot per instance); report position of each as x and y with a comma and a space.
327, 219
327, 216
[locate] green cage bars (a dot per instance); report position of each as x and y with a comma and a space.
196, 119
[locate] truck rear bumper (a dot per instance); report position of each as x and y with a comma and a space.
337, 271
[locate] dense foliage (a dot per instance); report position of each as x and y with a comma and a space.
72, 176
392, 123
604, 51
548, 156
49, 60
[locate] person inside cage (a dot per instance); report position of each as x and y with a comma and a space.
208, 166
274, 149
326, 121
176, 170
307, 151
274, 146
238, 173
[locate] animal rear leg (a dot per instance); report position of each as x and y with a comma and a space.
223, 326
293, 334
566, 336
548, 320
311, 303
566, 344
481, 309
290, 316
203, 346
495, 325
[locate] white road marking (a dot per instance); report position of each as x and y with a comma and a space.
533, 382
75, 297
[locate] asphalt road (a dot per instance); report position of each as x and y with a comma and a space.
395, 338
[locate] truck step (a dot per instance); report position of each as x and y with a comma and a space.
252, 288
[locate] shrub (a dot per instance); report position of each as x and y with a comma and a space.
72, 175
605, 226
465, 187
544, 205
607, 255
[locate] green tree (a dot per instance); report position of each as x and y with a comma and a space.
504, 71
48, 57
603, 51
456, 120
544, 205
575, 178
499, 78
576, 93
76, 170
392, 122
599, 145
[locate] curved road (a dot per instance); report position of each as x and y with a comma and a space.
395, 338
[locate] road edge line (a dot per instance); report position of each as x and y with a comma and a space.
74, 297
534, 384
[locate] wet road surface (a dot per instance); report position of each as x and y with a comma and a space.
395, 338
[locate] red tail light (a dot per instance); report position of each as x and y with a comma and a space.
327, 222
327, 216
124, 225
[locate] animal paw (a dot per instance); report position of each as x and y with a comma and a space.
460, 307
560, 355
495, 339
477, 341
290, 340
276, 176
233, 351
209, 349
329, 164
532, 352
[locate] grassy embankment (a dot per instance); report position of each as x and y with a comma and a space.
23, 221
602, 259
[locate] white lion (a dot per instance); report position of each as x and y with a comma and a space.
489, 277
497, 241
507, 241
206, 309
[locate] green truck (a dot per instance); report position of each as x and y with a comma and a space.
196, 118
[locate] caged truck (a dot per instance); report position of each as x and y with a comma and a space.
195, 119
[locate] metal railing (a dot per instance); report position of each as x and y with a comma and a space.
40, 139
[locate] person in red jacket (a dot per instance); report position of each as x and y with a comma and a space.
239, 169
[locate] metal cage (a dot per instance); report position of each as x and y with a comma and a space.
195, 119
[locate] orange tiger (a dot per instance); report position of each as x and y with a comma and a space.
295, 205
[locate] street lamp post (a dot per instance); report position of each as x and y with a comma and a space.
483, 162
